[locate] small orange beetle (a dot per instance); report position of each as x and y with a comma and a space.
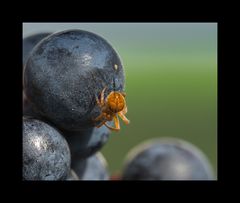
113, 106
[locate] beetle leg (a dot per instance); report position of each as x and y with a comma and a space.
98, 102
102, 96
124, 111
116, 122
100, 125
123, 117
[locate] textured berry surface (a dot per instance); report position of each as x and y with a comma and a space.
46, 155
66, 71
87, 142
170, 159
29, 42
92, 168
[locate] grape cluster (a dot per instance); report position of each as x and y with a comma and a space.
63, 73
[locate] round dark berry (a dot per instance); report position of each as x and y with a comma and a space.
46, 155
167, 159
87, 142
92, 168
64, 74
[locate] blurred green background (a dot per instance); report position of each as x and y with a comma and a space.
171, 82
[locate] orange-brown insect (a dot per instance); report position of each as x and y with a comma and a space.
113, 106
